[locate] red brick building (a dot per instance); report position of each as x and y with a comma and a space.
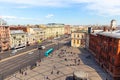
4, 38
106, 49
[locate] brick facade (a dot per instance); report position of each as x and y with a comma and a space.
107, 53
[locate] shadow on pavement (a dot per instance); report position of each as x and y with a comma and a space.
89, 60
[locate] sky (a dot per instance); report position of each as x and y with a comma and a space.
76, 12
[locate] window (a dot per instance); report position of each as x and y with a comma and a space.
113, 60
108, 58
14, 37
110, 48
116, 41
82, 36
74, 35
77, 41
110, 39
78, 35
112, 69
22, 36
74, 41
115, 50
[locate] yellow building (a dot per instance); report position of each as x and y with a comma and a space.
78, 38
17, 38
39, 34
52, 31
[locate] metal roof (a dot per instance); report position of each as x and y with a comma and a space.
16, 31
113, 34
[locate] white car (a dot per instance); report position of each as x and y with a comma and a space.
14, 51
30, 53
43, 47
55, 38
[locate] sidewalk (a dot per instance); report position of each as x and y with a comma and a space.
56, 67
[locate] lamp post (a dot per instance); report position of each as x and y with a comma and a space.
39, 47
1, 76
58, 45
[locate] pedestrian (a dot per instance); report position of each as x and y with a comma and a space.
54, 67
22, 72
58, 72
47, 77
52, 72
25, 73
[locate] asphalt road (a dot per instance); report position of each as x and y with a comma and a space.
7, 54
12, 65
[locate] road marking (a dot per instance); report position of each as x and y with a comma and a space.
24, 53
17, 55
21, 54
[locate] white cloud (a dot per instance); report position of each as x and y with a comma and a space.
101, 7
17, 18
49, 16
8, 17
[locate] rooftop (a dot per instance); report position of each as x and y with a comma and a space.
37, 29
16, 31
80, 31
113, 34
96, 31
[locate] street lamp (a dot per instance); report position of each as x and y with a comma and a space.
1, 76
58, 44
39, 47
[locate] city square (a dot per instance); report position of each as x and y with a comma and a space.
49, 66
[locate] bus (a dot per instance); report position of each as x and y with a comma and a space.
48, 52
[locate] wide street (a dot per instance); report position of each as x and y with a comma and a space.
22, 58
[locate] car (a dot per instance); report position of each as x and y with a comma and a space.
55, 38
43, 47
30, 53
14, 51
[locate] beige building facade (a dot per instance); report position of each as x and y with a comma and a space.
78, 38
30, 36
53, 31
39, 34
17, 38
